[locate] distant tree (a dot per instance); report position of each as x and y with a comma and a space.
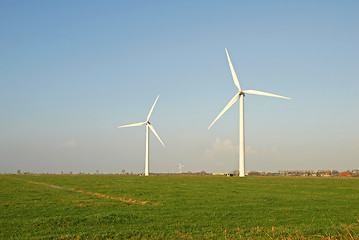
123, 171
18, 171
97, 171
253, 173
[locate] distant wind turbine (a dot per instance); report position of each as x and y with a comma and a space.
240, 95
148, 126
180, 166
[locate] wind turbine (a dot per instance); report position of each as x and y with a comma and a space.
180, 166
240, 95
148, 126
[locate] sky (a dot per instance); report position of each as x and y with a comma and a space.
72, 71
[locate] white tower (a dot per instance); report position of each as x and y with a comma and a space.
180, 168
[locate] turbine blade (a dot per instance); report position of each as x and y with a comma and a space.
234, 75
153, 106
133, 125
255, 92
153, 130
233, 100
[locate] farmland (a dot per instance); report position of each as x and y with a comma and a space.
177, 207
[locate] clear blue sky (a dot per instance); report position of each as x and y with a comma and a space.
72, 71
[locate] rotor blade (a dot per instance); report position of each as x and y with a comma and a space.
233, 100
234, 75
153, 106
255, 92
133, 125
153, 130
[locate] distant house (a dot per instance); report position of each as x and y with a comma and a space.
218, 174
325, 175
345, 174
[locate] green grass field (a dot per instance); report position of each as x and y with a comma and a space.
177, 207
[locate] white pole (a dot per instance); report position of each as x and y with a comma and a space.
147, 151
241, 135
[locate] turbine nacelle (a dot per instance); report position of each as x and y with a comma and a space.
147, 122
241, 92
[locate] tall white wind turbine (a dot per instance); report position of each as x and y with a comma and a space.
148, 126
180, 166
240, 95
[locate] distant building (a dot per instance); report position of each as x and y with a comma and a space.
218, 174
345, 174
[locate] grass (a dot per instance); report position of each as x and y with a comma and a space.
177, 207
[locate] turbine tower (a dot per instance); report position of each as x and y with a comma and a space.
180, 166
240, 95
148, 126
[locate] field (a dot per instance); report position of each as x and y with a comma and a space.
177, 207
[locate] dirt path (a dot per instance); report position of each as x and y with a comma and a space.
128, 200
